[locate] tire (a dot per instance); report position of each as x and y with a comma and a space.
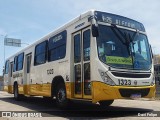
105, 103
61, 99
17, 96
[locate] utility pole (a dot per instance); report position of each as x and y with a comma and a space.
4, 49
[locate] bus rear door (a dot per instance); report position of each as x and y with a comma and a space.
27, 80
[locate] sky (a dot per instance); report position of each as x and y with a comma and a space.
29, 20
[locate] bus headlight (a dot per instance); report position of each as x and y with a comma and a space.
153, 81
106, 78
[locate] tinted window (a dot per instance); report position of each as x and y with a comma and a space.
123, 48
87, 79
40, 53
6, 67
11, 68
28, 63
77, 48
15, 64
20, 61
86, 45
78, 79
57, 46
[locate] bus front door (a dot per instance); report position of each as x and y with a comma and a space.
82, 82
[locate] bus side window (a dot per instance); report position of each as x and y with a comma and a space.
6, 67
11, 68
15, 64
40, 53
29, 63
57, 46
20, 59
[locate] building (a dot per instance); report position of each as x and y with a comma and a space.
157, 78
156, 59
1, 83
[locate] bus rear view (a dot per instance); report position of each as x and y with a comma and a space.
123, 67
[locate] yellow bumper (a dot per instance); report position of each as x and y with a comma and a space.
102, 91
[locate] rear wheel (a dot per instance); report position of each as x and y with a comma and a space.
106, 103
17, 96
61, 98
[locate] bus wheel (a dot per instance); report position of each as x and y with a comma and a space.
106, 103
61, 98
17, 96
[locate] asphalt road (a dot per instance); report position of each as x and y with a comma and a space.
120, 109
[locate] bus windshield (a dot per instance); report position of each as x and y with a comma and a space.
121, 48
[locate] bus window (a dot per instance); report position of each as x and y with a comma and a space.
28, 63
15, 64
11, 69
57, 46
77, 50
86, 45
40, 53
78, 79
87, 82
20, 59
6, 67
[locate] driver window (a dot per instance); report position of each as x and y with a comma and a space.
143, 49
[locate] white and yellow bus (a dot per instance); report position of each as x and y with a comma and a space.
97, 57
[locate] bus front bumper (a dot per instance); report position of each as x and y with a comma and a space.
102, 91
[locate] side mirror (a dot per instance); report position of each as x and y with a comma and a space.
95, 32
151, 51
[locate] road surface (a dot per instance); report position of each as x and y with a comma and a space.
120, 110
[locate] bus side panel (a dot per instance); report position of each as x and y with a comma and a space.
6, 83
40, 90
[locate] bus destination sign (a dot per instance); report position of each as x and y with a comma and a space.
119, 20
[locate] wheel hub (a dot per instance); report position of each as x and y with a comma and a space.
61, 95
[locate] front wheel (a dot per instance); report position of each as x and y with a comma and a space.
61, 98
106, 103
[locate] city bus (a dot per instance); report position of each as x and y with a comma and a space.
97, 57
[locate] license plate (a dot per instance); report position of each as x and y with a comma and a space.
134, 96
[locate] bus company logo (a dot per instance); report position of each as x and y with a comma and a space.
6, 114
135, 82
22, 114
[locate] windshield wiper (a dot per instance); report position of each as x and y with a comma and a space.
134, 35
132, 39
126, 37
121, 36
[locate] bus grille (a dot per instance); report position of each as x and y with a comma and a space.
131, 75
129, 92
